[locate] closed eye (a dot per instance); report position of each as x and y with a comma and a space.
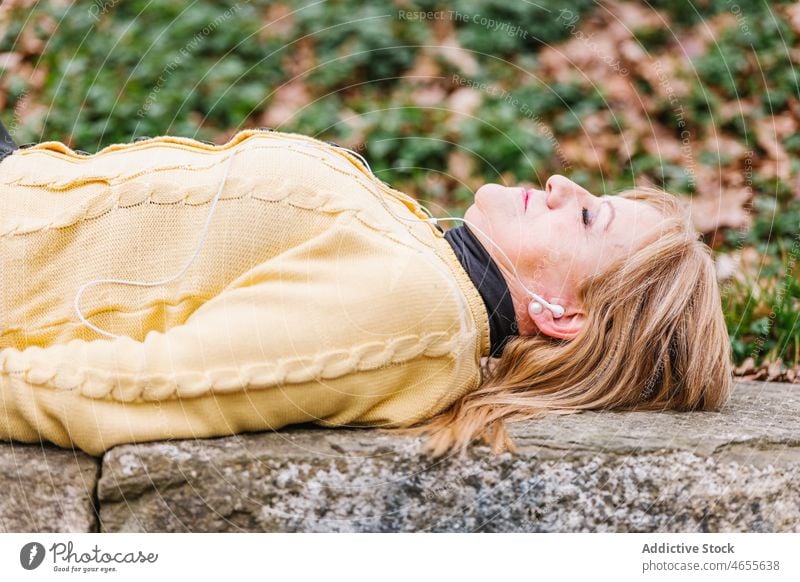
584, 215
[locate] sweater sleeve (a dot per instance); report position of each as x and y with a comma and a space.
347, 328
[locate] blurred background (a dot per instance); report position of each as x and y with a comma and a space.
700, 98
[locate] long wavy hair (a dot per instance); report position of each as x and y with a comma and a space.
654, 339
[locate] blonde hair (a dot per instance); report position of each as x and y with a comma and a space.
654, 339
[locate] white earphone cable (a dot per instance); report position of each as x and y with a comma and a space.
156, 283
557, 310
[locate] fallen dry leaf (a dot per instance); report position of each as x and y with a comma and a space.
464, 101
428, 95
726, 210
461, 165
287, 101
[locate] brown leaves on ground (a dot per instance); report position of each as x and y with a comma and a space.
771, 132
286, 101
603, 52
713, 211
768, 372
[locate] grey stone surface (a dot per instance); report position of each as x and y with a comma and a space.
46, 489
737, 470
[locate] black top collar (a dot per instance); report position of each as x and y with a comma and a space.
490, 283
7, 145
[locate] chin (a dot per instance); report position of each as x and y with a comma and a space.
488, 190
473, 214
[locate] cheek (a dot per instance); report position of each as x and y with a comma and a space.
526, 255
553, 257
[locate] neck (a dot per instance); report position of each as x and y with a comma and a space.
492, 286
520, 298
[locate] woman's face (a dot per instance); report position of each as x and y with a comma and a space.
555, 238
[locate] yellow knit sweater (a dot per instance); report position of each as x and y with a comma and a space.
308, 301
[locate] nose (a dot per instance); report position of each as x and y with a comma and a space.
561, 189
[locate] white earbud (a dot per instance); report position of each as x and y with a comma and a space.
557, 310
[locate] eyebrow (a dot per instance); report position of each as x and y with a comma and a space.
613, 215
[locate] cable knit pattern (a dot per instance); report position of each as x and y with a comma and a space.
155, 191
96, 383
311, 300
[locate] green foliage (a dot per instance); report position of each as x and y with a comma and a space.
121, 74
502, 140
751, 59
357, 42
503, 29
761, 310
406, 141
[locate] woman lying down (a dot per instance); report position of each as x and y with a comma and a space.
171, 289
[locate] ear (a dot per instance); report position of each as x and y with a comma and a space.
565, 327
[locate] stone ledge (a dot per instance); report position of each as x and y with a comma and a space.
47, 489
737, 470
